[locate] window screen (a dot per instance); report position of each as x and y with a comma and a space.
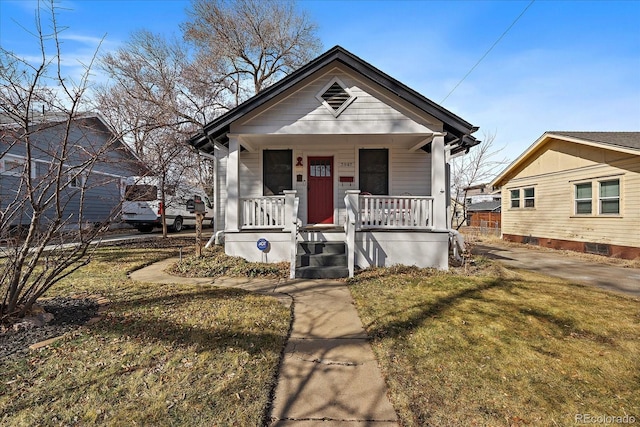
374, 171
529, 197
277, 172
583, 199
610, 197
515, 198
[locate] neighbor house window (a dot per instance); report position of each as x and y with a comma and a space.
515, 198
277, 171
610, 196
11, 165
529, 197
374, 171
76, 181
584, 201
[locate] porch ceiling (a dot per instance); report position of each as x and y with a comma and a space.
409, 141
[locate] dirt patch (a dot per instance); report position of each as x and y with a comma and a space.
68, 314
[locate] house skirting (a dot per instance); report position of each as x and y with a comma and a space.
426, 249
614, 251
245, 244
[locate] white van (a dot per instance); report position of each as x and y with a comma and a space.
142, 206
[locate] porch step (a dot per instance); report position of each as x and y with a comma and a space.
321, 260
321, 272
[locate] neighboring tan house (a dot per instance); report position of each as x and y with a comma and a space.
96, 186
338, 161
575, 190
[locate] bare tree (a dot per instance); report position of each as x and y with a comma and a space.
162, 91
253, 42
479, 166
157, 99
48, 163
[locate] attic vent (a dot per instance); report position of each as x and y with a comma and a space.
335, 97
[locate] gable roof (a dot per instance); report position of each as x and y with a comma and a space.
458, 130
625, 142
49, 122
615, 139
484, 206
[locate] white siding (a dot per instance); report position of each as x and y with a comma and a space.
410, 172
371, 113
221, 204
250, 174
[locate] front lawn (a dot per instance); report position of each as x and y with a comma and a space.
500, 347
162, 355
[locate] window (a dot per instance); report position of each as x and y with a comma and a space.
583, 204
76, 181
610, 196
529, 197
277, 171
515, 198
11, 165
141, 193
374, 171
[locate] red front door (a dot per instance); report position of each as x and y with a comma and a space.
320, 195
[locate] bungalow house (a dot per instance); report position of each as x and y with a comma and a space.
575, 191
336, 166
92, 188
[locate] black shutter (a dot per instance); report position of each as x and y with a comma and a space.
277, 171
374, 171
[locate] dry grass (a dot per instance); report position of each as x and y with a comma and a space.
163, 355
500, 347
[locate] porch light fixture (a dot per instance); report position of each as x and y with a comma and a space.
335, 96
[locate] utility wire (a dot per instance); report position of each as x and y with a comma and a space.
489, 50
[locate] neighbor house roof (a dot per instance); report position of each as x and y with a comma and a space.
484, 206
625, 142
44, 122
458, 130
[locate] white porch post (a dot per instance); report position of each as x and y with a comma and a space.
232, 218
289, 197
439, 183
291, 224
353, 206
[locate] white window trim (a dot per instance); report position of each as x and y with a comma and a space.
525, 198
348, 102
13, 157
576, 199
79, 177
618, 197
596, 207
511, 199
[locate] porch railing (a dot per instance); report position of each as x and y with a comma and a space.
395, 212
263, 212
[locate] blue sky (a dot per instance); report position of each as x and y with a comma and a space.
564, 65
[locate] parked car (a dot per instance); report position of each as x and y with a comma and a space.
142, 206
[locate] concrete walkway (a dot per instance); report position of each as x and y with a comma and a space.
329, 375
573, 267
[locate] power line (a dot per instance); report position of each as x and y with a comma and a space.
489, 50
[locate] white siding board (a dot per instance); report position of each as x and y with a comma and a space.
250, 174
302, 113
411, 172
